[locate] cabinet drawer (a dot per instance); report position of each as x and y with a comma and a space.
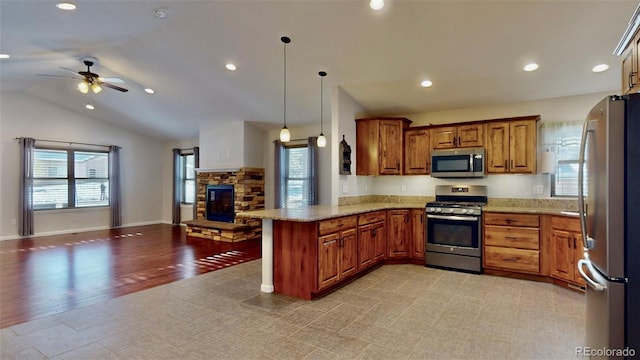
336, 224
566, 223
371, 217
511, 219
512, 259
513, 237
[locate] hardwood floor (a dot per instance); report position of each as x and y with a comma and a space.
41, 276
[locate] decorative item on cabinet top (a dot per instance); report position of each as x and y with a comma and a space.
345, 153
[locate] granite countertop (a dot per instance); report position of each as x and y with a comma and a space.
322, 212
528, 210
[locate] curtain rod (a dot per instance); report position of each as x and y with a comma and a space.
69, 142
304, 139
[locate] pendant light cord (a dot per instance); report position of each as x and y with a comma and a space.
321, 102
284, 110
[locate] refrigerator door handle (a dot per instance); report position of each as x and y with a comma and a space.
598, 283
588, 127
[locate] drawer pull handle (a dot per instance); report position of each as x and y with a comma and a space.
511, 237
329, 242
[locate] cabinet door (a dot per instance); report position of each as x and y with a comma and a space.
328, 247
365, 246
348, 262
470, 135
578, 254
522, 147
379, 241
562, 258
418, 239
497, 147
390, 147
628, 76
367, 141
416, 152
397, 233
444, 137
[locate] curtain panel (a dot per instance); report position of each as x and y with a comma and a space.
175, 202
279, 175
27, 150
115, 193
196, 165
312, 196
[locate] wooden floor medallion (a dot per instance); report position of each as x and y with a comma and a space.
41, 276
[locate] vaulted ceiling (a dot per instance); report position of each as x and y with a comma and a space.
472, 51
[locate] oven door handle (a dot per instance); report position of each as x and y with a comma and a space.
453, 217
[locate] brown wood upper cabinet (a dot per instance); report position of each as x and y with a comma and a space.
379, 145
511, 146
630, 66
416, 151
448, 137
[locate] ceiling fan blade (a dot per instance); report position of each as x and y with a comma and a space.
60, 76
111, 80
115, 87
69, 70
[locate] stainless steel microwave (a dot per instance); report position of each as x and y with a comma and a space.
458, 163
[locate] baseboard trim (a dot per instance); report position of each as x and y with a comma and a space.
71, 231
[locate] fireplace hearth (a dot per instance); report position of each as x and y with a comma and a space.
220, 203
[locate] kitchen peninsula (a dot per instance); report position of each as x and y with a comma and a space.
310, 250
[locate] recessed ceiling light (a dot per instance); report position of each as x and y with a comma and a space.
66, 6
230, 66
89, 106
149, 91
376, 4
530, 67
4, 56
600, 68
426, 83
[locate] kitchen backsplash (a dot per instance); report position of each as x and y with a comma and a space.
563, 204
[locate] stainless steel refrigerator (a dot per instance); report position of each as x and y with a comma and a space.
610, 152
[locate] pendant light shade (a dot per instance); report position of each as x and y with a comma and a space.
83, 87
285, 135
322, 141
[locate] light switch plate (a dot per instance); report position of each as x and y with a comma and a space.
345, 188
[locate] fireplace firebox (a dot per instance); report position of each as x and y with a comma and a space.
220, 203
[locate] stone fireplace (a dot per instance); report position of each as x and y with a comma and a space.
248, 194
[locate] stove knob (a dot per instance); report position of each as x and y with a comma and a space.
438, 209
450, 211
463, 211
431, 209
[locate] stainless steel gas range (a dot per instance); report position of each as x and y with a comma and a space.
454, 227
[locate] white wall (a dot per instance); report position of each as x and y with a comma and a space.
221, 145
343, 115
253, 146
22, 115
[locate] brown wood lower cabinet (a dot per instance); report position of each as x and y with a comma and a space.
398, 233
371, 238
418, 217
512, 242
566, 249
337, 251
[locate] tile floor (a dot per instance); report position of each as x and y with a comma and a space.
394, 312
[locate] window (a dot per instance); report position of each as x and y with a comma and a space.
564, 138
187, 179
296, 176
65, 178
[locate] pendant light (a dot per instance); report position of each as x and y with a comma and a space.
322, 141
285, 135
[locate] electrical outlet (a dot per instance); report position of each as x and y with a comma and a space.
538, 189
404, 188
345, 188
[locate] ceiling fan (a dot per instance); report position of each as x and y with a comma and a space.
90, 80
